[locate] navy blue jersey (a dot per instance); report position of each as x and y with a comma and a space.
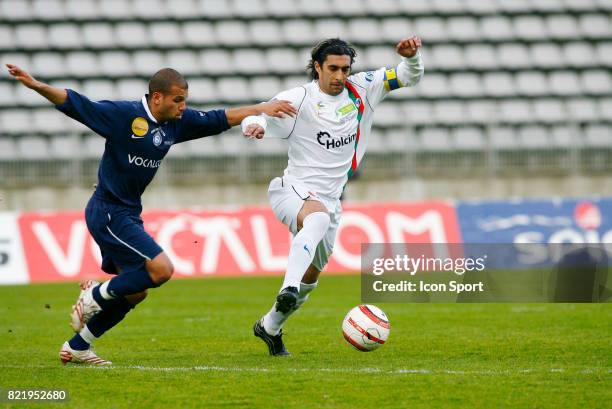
135, 142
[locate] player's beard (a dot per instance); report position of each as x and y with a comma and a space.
336, 89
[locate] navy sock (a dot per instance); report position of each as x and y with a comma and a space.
102, 302
78, 343
130, 282
108, 318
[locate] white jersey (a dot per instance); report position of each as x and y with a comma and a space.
329, 135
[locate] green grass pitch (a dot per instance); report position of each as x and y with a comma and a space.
190, 344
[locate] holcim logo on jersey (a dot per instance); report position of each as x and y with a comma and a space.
325, 139
144, 162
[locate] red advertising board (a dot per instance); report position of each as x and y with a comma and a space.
57, 246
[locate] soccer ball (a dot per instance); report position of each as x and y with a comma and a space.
366, 327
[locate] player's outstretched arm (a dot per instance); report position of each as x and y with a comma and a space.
276, 108
56, 95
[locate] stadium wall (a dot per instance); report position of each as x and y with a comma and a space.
363, 190
55, 246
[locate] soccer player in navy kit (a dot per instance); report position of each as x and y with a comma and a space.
138, 135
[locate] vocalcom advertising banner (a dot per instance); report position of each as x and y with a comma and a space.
58, 247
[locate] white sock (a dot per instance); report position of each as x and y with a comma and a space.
87, 335
273, 321
104, 291
303, 247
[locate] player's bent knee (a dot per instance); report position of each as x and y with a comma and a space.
160, 268
165, 273
321, 219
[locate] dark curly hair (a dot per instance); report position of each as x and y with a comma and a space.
333, 46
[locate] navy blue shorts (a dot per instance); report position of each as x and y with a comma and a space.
119, 231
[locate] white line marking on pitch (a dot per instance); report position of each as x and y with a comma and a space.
335, 370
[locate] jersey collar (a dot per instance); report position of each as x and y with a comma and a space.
146, 108
327, 97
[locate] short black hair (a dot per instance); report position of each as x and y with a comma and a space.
163, 80
333, 46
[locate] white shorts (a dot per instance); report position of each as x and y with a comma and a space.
287, 196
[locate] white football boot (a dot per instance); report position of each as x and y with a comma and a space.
88, 356
85, 306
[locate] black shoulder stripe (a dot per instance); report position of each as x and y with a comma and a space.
357, 85
365, 92
298, 112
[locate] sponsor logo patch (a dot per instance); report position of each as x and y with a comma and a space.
347, 109
140, 127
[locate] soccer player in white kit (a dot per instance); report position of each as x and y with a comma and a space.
327, 140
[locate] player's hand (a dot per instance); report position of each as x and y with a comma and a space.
278, 108
408, 47
254, 131
21, 75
